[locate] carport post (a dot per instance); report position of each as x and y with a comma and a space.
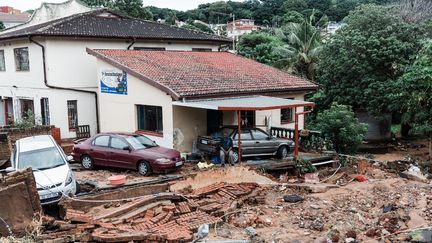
296, 132
238, 135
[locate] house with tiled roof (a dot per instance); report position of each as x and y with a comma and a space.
166, 94
45, 69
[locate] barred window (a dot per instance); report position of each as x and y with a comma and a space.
2, 61
72, 108
22, 59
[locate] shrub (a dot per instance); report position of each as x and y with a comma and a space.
340, 125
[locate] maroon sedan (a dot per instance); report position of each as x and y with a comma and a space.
126, 150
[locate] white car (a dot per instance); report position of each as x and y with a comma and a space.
50, 167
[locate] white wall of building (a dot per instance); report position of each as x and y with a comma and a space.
68, 65
64, 56
118, 112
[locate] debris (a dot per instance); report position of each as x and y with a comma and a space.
293, 198
350, 240
311, 178
157, 217
204, 165
414, 173
360, 178
19, 192
203, 231
251, 232
388, 208
421, 236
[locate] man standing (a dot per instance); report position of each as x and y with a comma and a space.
225, 150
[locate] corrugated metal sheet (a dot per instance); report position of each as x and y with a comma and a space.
243, 103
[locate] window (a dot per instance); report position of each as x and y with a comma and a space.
248, 118
287, 114
101, 141
2, 61
149, 118
72, 108
245, 135
27, 108
118, 143
22, 59
150, 48
259, 135
45, 111
202, 49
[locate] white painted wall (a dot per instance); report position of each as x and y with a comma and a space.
64, 56
118, 112
68, 65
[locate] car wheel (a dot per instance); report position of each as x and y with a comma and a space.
282, 152
235, 156
144, 168
87, 162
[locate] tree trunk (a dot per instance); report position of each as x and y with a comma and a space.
405, 128
430, 147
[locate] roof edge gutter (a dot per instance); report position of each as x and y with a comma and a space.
30, 37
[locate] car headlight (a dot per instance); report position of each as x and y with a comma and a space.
163, 160
69, 178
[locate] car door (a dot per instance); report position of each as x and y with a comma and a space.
118, 155
263, 142
245, 140
99, 149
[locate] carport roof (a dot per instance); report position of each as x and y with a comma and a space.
244, 103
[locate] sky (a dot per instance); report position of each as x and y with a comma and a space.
173, 4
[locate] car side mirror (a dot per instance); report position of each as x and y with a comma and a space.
127, 148
69, 158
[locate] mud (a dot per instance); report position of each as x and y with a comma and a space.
236, 174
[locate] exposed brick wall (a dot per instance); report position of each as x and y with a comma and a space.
9, 135
21, 200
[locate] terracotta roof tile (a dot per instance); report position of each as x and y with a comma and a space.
194, 74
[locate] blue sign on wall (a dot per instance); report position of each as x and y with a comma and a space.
114, 82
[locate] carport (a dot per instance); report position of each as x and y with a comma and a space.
250, 103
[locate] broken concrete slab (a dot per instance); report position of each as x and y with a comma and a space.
18, 191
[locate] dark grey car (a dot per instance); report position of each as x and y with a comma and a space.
254, 141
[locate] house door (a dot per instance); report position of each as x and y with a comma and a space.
214, 121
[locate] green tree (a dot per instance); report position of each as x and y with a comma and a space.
414, 94
300, 54
171, 19
2, 27
339, 125
294, 5
359, 64
259, 46
199, 27
132, 8
292, 17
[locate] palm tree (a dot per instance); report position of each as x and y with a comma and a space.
303, 45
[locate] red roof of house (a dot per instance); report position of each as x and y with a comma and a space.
202, 74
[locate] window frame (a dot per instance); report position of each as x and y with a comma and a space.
159, 124
72, 129
256, 130
241, 132
18, 64
290, 120
2, 58
119, 138
104, 135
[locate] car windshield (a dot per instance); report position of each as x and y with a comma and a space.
140, 142
41, 159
